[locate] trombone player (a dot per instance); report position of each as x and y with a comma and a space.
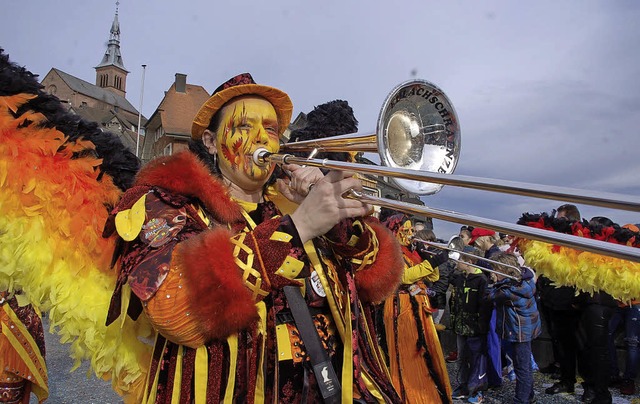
249, 303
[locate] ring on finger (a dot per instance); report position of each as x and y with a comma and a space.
310, 187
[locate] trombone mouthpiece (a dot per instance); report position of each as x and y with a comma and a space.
259, 156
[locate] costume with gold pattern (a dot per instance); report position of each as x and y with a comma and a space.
416, 361
208, 273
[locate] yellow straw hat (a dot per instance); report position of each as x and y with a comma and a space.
242, 84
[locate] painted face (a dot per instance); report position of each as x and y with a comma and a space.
246, 124
405, 233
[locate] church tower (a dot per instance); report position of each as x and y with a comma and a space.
110, 73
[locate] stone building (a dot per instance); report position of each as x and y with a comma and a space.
105, 101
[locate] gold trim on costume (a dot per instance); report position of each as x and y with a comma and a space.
262, 329
177, 376
201, 373
232, 341
371, 256
23, 344
290, 268
129, 222
283, 342
150, 392
247, 267
281, 236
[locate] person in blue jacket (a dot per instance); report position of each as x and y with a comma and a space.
517, 318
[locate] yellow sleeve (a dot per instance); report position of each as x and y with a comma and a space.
423, 270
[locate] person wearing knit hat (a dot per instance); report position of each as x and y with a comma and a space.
251, 303
478, 232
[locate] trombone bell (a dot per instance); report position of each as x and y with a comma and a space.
418, 129
417, 132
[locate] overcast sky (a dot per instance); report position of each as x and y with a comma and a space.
546, 92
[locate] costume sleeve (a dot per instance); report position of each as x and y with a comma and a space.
202, 284
435, 258
423, 270
374, 254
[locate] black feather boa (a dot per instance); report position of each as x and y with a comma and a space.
117, 161
329, 119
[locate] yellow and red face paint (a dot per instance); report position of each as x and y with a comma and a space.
405, 233
246, 125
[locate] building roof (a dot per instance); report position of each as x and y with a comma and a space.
94, 114
105, 118
93, 91
102, 116
178, 109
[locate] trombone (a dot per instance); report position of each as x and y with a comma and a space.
418, 140
455, 251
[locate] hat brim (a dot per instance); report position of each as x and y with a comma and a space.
278, 98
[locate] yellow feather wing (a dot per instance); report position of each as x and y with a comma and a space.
52, 212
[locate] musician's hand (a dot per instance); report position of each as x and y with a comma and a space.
324, 206
301, 180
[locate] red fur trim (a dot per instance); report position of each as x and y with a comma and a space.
382, 278
221, 302
184, 174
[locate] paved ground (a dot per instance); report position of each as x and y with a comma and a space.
77, 387
541, 382
80, 388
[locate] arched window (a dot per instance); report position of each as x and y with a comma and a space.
52, 89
